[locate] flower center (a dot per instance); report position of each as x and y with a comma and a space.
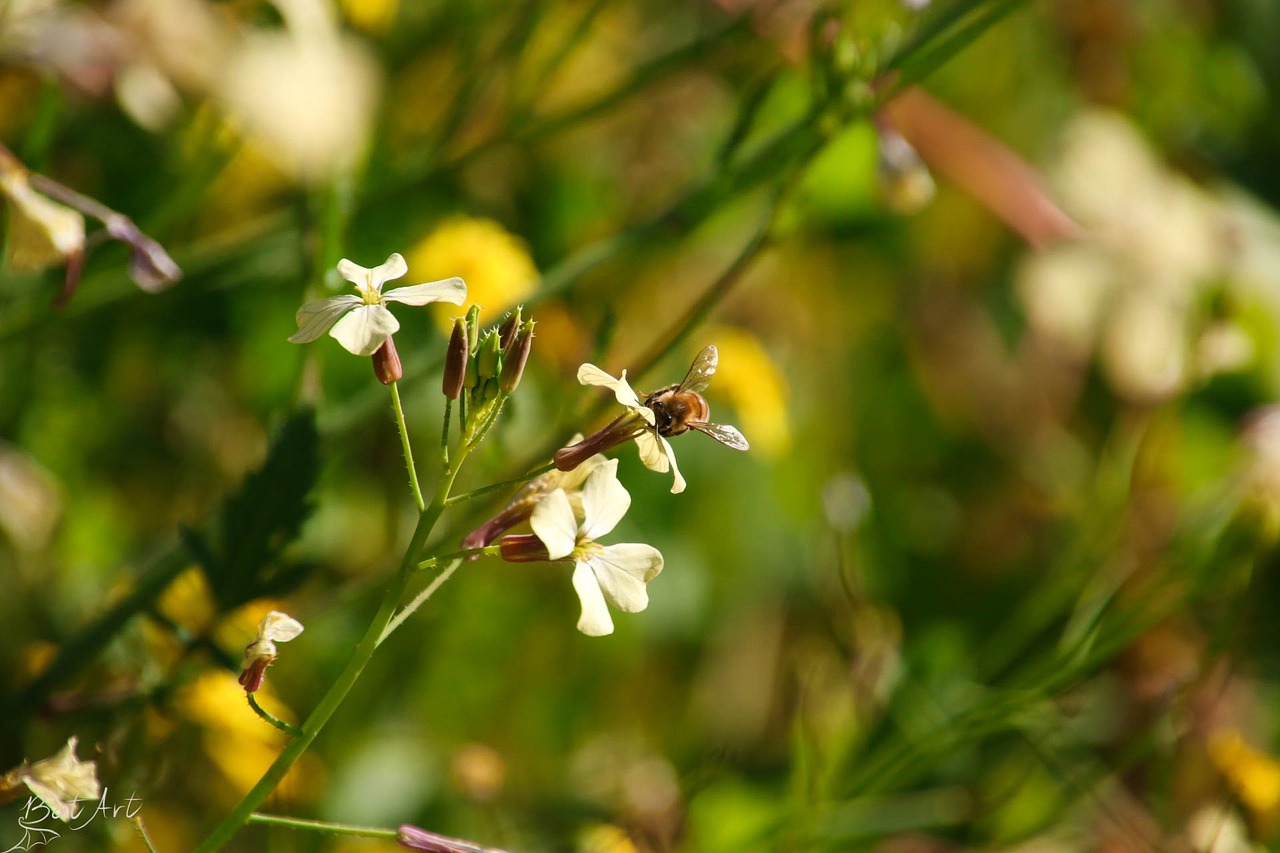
369, 293
585, 548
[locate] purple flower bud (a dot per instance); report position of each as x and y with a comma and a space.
416, 838
386, 362
517, 354
523, 548
455, 360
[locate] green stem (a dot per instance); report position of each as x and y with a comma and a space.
475, 493
490, 550
338, 690
444, 435
323, 826
408, 449
418, 600
288, 728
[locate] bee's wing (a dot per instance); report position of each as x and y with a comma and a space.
723, 433
702, 369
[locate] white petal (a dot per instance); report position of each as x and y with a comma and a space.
589, 374
315, 318
651, 452
657, 455
279, 626
451, 290
604, 501
677, 486
365, 329
353, 272
553, 522
389, 270
595, 620
622, 572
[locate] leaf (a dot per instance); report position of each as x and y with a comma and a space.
241, 559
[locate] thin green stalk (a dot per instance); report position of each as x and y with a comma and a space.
490, 550
288, 728
408, 449
444, 435
323, 826
329, 703
475, 493
419, 599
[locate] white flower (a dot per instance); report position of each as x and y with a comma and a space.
58, 781
655, 451
617, 573
368, 323
41, 232
275, 627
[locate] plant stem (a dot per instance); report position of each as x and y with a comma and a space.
419, 599
444, 435
490, 550
323, 826
475, 493
287, 728
338, 690
408, 449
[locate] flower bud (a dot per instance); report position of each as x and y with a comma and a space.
473, 329
416, 838
489, 359
523, 548
455, 360
515, 357
386, 362
507, 331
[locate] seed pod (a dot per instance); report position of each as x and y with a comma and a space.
455, 360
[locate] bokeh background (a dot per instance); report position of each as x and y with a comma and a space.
998, 573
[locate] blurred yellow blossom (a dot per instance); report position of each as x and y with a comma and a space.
238, 742
756, 388
494, 263
372, 16
605, 838
1254, 775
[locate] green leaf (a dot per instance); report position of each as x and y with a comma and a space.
241, 559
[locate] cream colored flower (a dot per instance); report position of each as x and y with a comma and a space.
362, 323
617, 573
42, 233
59, 782
275, 627
655, 451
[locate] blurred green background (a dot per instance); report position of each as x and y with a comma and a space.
999, 572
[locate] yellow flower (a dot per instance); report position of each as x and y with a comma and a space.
372, 16
758, 390
494, 263
239, 744
1254, 776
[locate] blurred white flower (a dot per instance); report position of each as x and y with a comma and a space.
42, 232
58, 781
616, 573
1133, 290
307, 95
367, 322
275, 627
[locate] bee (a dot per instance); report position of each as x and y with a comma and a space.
681, 407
